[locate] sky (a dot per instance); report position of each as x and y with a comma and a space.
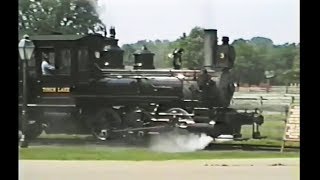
136, 20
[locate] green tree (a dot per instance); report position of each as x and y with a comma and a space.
254, 57
249, 62
159, 48
63, 16
291, 72
258, 55
193, 48
128, 57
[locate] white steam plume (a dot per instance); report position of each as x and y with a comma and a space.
177, 142
102, 8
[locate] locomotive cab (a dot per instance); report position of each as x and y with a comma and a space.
52, 94
71, 55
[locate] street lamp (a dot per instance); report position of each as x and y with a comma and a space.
268, 75
26, 48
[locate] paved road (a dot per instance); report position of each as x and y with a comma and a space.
244, 169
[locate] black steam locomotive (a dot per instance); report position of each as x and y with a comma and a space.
91, 91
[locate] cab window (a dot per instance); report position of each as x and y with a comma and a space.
59, 61
64, 63
83, 58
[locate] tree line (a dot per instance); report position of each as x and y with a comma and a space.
254, 56
58, 16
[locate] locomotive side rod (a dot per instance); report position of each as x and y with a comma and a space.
141, 129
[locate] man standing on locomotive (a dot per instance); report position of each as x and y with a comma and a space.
46, 67
177, 59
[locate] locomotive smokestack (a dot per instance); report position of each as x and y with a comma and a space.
210, 48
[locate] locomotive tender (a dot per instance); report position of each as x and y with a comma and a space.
91, 91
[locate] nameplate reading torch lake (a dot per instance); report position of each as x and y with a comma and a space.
56, 89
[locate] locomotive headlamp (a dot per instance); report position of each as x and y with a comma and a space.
26, 48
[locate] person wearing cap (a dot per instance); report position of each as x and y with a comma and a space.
177, 60
26, 36
46, 67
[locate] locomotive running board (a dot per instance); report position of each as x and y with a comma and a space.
50, 105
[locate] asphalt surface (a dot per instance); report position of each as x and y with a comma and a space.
242, 169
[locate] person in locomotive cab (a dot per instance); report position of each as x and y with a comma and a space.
46, 67
177, 58
203, 79
226, 54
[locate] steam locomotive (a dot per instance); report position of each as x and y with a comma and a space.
92, 92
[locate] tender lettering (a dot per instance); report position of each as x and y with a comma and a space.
48, 89
56, 89
65, 89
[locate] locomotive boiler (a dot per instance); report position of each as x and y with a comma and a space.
91, 91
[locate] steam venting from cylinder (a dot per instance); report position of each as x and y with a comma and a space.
175, 141
210, 48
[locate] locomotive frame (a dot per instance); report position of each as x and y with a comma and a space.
91, 91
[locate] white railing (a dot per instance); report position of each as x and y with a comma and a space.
272, 102
291, 89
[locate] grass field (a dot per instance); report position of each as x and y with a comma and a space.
273, 128
83, 153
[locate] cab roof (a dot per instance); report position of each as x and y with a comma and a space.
57, 37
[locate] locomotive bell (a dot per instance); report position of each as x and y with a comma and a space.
143, 59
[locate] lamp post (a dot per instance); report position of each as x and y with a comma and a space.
268, 75
26, 48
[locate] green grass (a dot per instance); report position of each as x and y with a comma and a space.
83, 153
273, 128
65, 136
